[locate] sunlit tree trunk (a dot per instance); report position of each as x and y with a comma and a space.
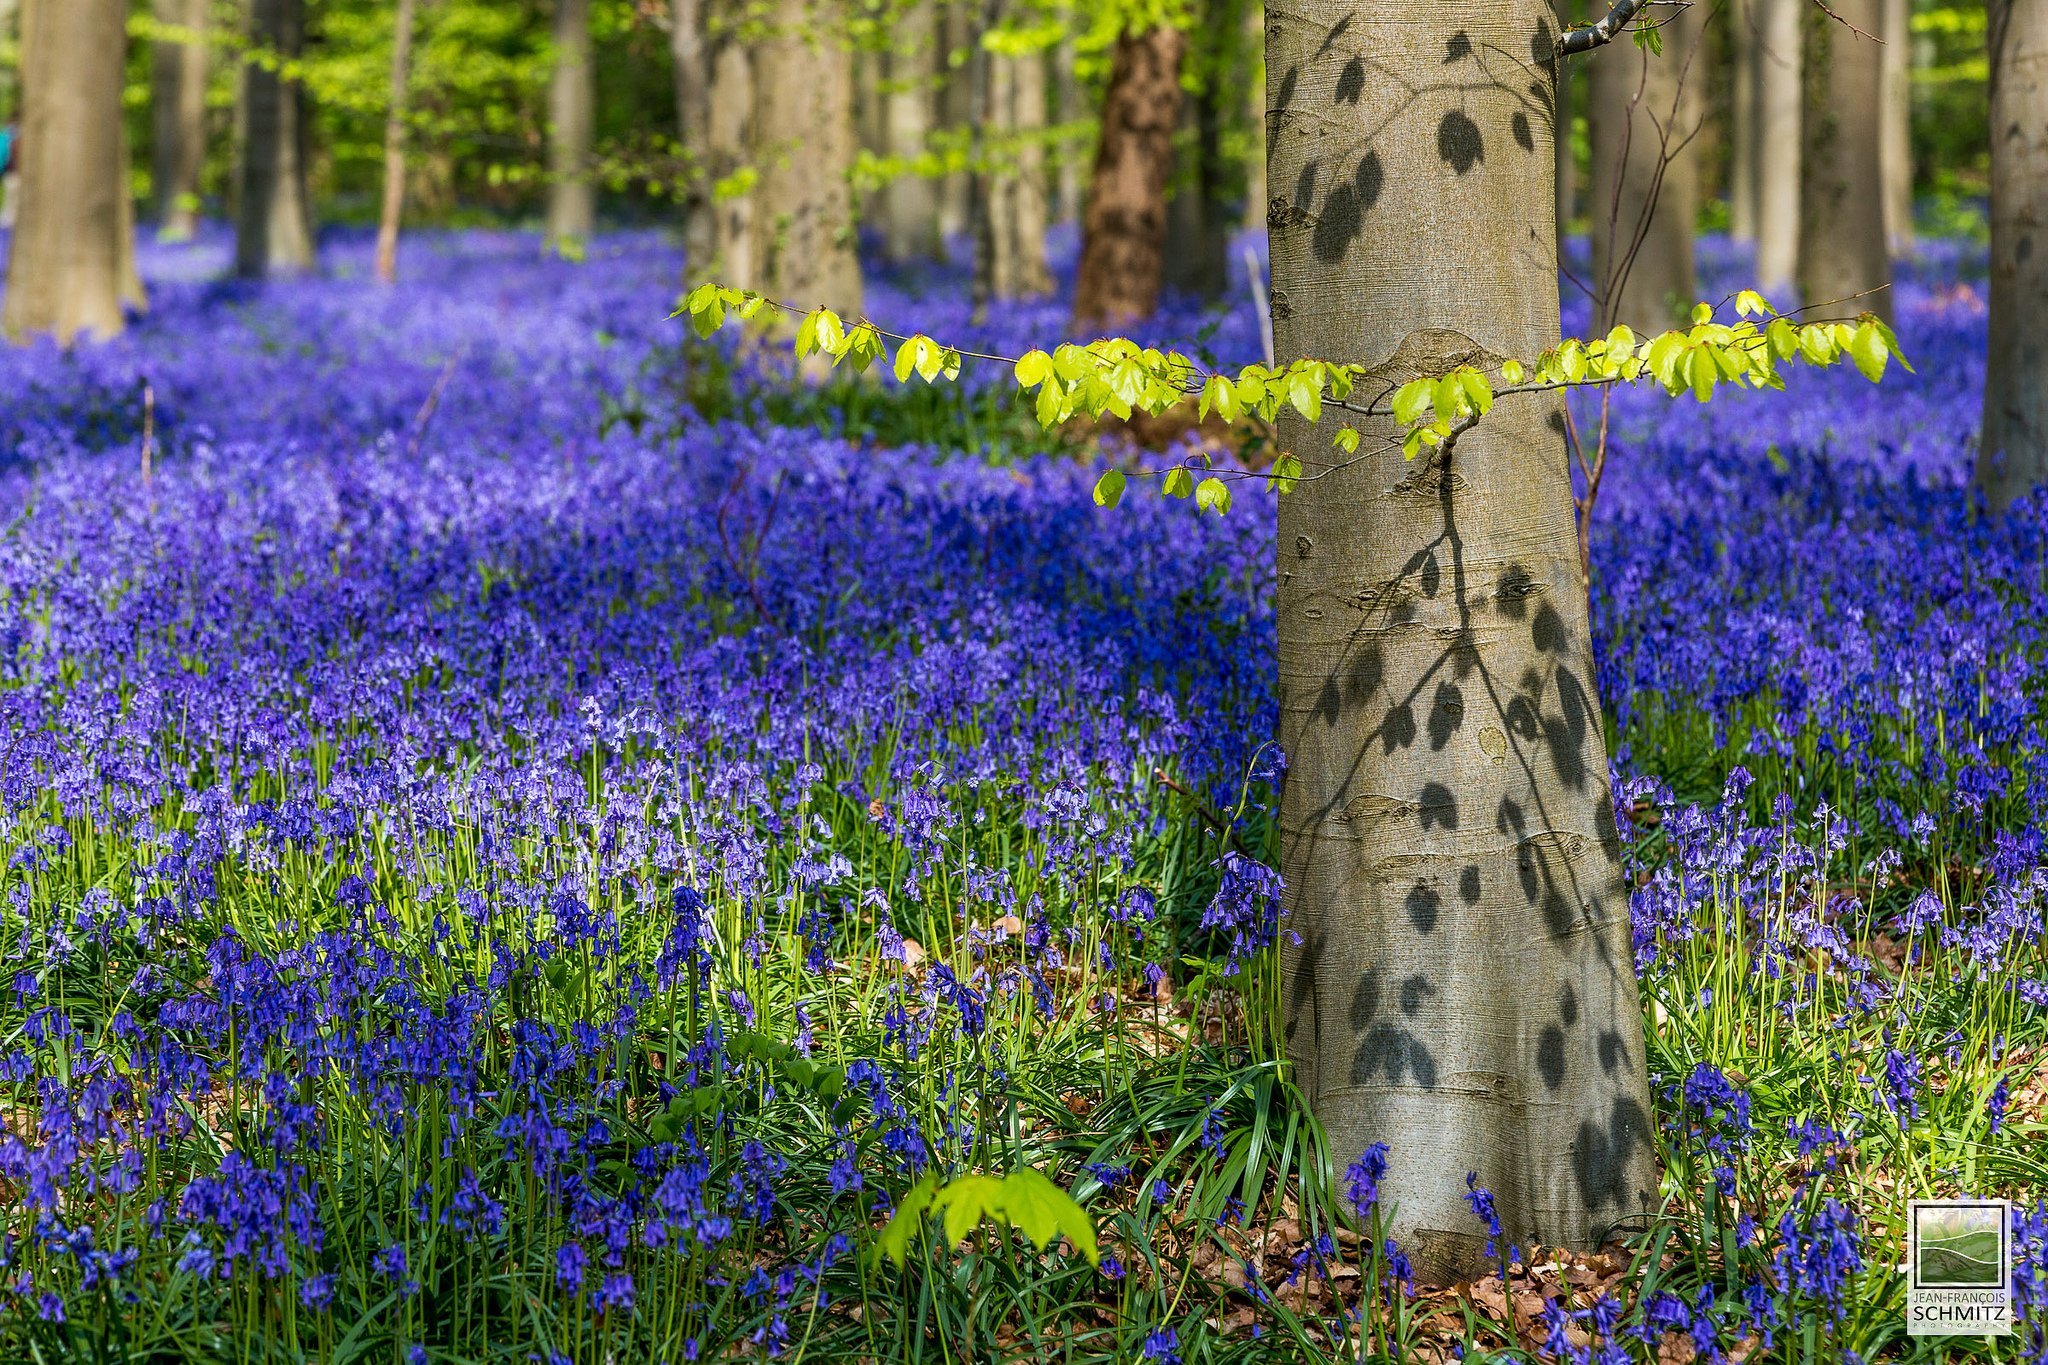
690, 52
66, 270
804, 139
1123, 231
1896, 146
1742, 125
178, 118
960, 33
1016, 189
1781, 101
910, 201
1197, 236
1462, 988
572, 198
273, 225
1844, 262
1645, 113
2013, 454
732, 259
393, 208
1067, 110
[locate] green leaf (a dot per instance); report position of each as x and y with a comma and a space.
1346, 440
1179, 483
1033, 369
1412, 400
1213, 495
894, 1239
1220, 395
1287, 469
1751, 304
965, 1202
1702, 314
1512, 372
1305, 391
1109, 488
1478, 392
1868, 350
1051, 404
1043, 1211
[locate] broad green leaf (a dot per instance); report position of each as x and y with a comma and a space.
1213, 495
1179, 483
1412, 400
1346, 440
1512, 372
1702, 314
1287, 469
1751, 304
894, 1239
1109, 488
965, 1202
1033, 369
1478, 392
1868, 350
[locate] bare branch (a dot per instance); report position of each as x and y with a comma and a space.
1601, 32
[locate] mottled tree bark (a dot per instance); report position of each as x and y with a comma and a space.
273, 224
690, 53
393, 207
804, 139
1645, 115
67, 269
2013, 454
1742, 120
1896, 140
1843, 258
1016, 188
1123, 232
732, 259
1462, 988
572, 198
178, 118
910, 201
1781, 101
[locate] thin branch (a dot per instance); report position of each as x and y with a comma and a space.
1602, 32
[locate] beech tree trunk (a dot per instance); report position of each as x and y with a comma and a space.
1067, 110
178, 119
732, 259
70, 261
2013, 453
910, 201
690, 52
1645, 115
1016, 189
804, 135
1844, 264
1123, 231
273, 226
1742, 120
1781, 102
1462, 988
1255, 197
1897, 133
572, 199
393, 208
1197, 236
960, 34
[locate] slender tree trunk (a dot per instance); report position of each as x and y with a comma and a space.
1255, 197
691, 54
1197, 239
178, 118
394, 145
1123, 233
910, 201
961, 34
132, 292
1462, 985
1646, 113
1742, 118
273, 226
1896, 142
1843, 258
1781, 101
572, 198
803, 128
870, 120
2013, 454
1015, 188
1067, 110
65, 271
733, 260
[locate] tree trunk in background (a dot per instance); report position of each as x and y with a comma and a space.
1123, 232
1462, 988
132, 292
1742, 119
1255, 196
804, 135
178, 119
273, 224
2013, 454
1644, 113
1067, 111
393, 208
1844, 263
1016, 205
691, 56
910, 201
1897, 133
1779, 47
732, 260
572, 199
960, 34
870, 120
1197, 237
65, 272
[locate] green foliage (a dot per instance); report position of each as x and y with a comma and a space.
1024, 1199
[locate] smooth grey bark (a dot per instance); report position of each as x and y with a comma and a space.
1742, 120
1896, 135
1462, 988
804, 141
732, 259
178, 118
392, 209
572, 199
1844, 261
1781, 100
1017, 210
71, 260
910, 201
960, 32
690, 53
1645, 115
1067, 110
2013, 452
274, 222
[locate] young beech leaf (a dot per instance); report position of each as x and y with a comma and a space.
1287, 469
1109, 488
1033, 369
1213, 495
1512, 372
1867, 349
1412, 400
1346, 440
894, 1239
1179, 483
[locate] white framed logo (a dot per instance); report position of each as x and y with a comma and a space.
1959, 1267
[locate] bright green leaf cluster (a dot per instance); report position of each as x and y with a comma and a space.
1024, 1199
